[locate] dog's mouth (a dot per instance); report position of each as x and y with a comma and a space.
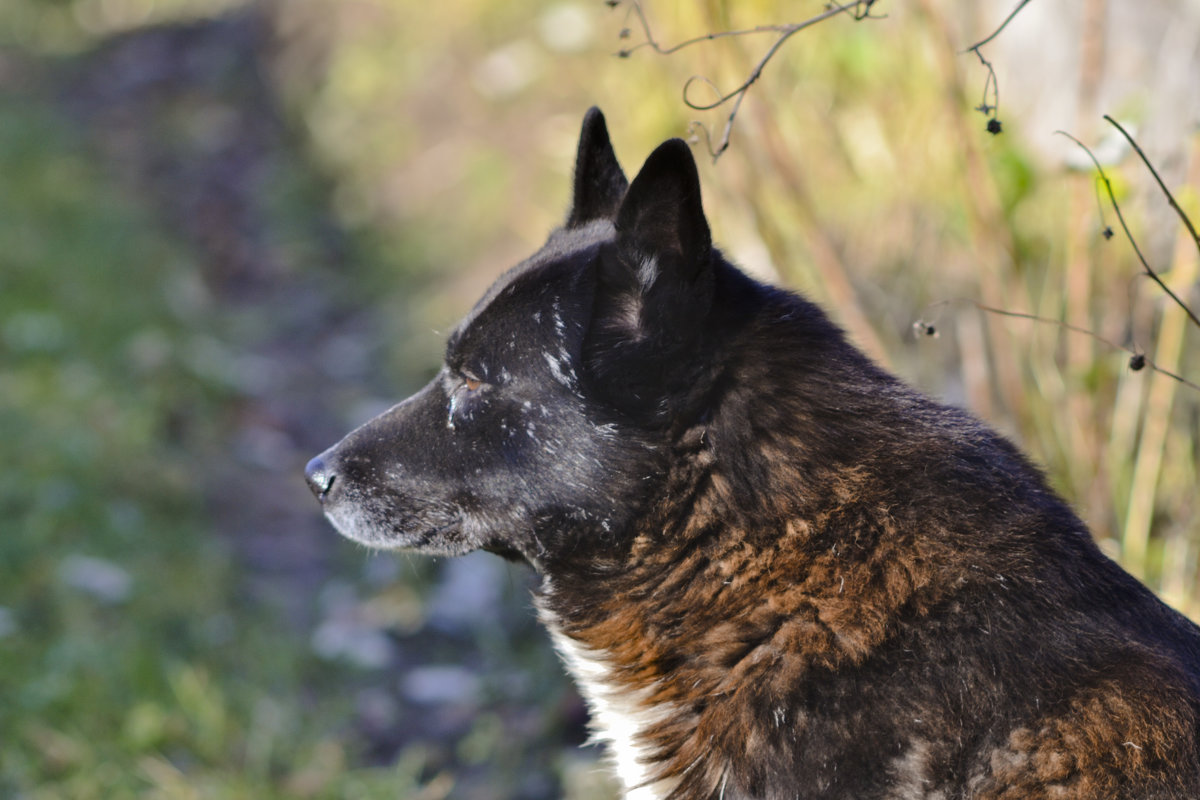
435, 537
377, 525
415, 536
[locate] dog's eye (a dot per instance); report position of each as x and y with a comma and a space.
462, 398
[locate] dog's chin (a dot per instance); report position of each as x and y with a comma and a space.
433, 540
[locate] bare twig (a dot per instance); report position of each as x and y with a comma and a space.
991, 109
1170, 197
1112, 199
859, 10
1137, 359
636, 9
975, 47
1106, 231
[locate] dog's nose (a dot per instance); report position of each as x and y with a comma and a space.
320, 477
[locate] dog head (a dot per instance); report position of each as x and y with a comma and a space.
562, 388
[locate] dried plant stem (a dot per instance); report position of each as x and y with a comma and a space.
992, 85
858, 10
1156, 427
1112, 199
1150, 364
1187, 222
975, 47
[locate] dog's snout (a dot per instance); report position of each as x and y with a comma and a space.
320, 477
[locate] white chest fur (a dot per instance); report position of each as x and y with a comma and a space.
618, 714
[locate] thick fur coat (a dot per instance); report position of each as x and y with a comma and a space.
775, 570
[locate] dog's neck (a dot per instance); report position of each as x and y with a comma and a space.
680, 648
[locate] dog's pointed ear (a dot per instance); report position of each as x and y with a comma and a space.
654, 292
599, 181
661, 225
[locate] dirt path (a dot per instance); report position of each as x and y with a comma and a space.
186, 117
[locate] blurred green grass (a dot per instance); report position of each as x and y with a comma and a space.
133, 663
137, 656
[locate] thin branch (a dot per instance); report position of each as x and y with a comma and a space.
1112, 199
1136, 356
652, 43
992, 109
1137, 359
859, 10
1170, 197
975, 47
1106, 231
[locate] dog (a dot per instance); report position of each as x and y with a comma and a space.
774, 570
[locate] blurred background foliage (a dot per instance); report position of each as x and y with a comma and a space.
231, 230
